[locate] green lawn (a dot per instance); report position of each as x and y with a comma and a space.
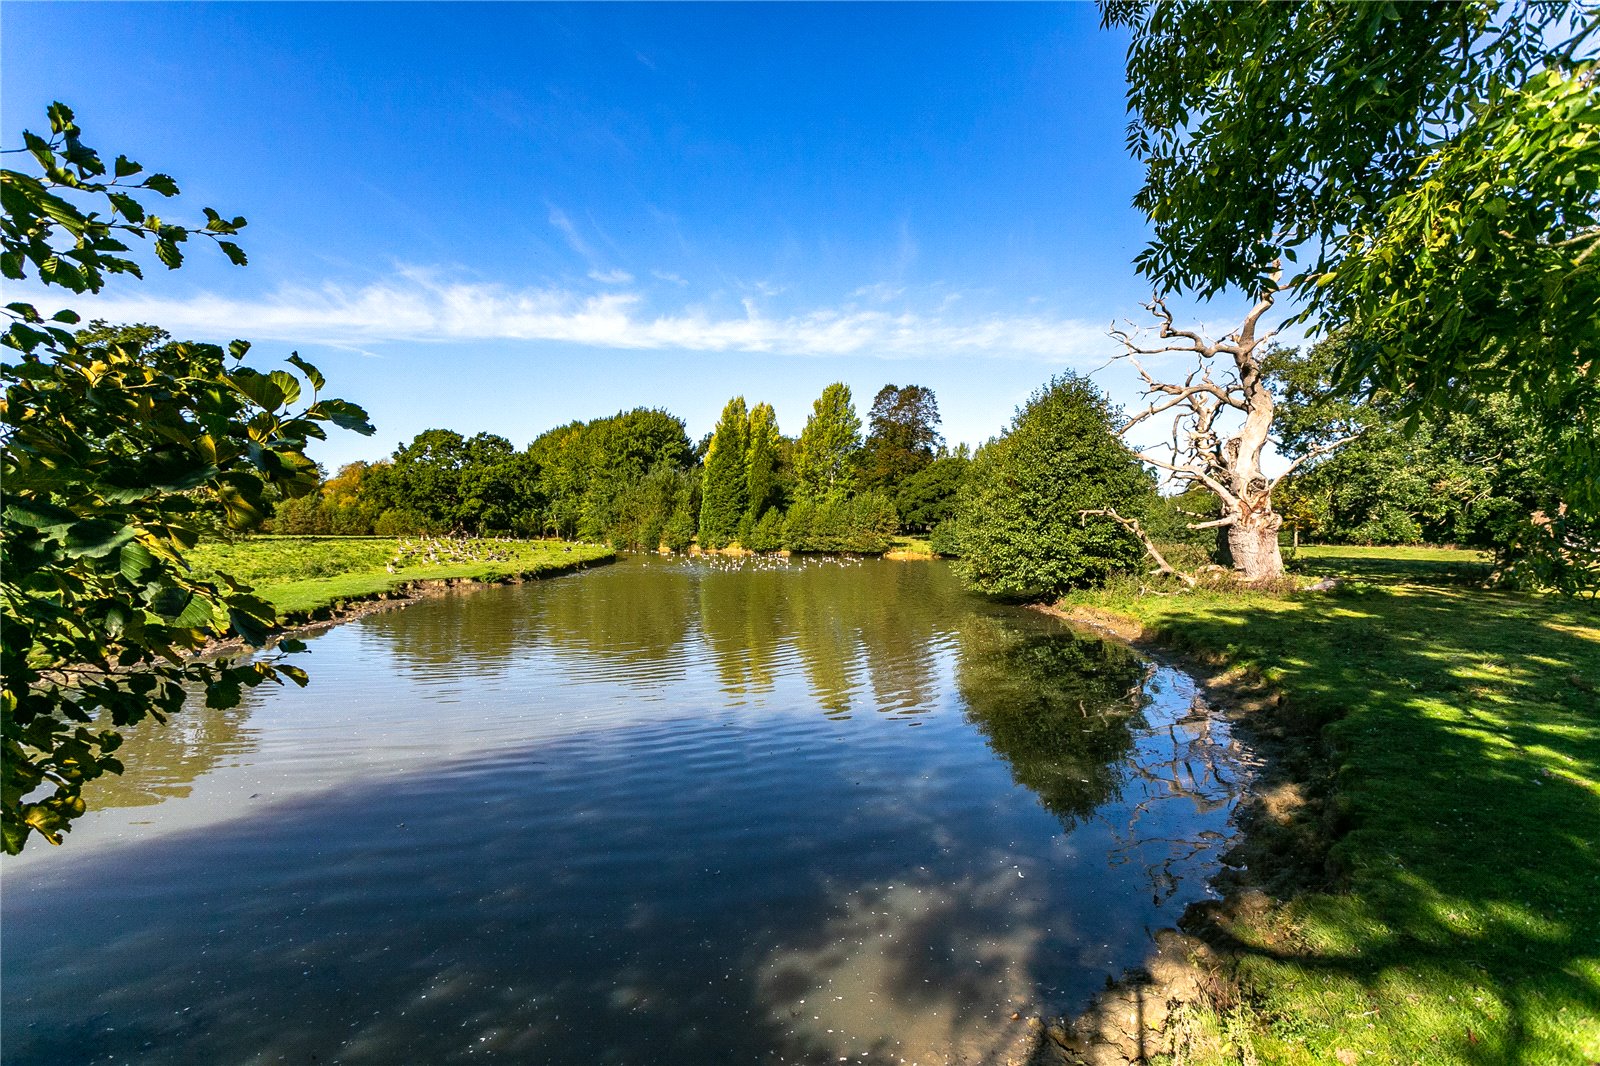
1393, 565
909, 546
1459, 919
303, 575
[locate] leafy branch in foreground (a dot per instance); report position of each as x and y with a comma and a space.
121, 449
1433, 168
37, 207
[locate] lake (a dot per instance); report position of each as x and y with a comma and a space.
665, 811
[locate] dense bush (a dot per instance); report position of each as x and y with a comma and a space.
1018, 525
866, 523
944, 539
767, 534
928, 497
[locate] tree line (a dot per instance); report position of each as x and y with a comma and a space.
1011, 512
634, 479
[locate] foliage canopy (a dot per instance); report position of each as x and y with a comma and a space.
1019, 526
121, 447
1433, 167
826, 454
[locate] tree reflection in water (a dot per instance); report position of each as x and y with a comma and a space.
1059, 707
668, 810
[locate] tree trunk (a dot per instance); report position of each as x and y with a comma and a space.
1253, 547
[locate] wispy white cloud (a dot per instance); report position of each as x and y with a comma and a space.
418, 305
611, 277
575, 241
881, 292
665, 275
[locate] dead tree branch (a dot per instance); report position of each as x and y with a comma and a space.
1132, 525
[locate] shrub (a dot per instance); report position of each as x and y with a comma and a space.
767, 534
866, 523
1019, 527
943, 539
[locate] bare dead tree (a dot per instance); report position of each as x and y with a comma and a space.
1221, 423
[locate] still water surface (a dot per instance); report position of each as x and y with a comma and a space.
667, 811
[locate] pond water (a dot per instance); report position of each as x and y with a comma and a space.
665, 811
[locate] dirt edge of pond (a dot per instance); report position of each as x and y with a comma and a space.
348, 609
1288, 819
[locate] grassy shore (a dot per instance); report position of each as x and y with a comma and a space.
907, 547
302, 576
1449, 911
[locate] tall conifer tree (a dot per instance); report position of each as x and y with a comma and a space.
761, 462
725, 493
825, 458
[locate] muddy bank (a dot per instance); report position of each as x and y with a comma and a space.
1287, 821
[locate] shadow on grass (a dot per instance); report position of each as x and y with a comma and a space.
1464, 736
1389, 566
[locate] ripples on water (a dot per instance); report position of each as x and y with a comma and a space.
665, 811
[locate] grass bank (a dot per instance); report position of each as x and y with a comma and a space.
1447, 907
910, 548
305, 577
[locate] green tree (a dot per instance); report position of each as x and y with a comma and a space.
724, 487
928, 497
121, 449
350, 513
825, 456
864, 523
1433, 167
902, 436
1019, 522
1467, 477
762, 487
582, 467
767, 534
678, 534
646, 505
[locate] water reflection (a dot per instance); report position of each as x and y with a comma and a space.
663, 811
167, 760
1060, 708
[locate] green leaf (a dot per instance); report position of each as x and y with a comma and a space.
197, 612
58, 271
312, 374
161, 183
234, 253
261, 388
250, 629
223, 693
125, 167
242, 508
343, 414
60, 117
288, 385
136, 562
97, 537
127, 206
168, 253
39, 514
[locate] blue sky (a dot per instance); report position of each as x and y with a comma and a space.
503, 217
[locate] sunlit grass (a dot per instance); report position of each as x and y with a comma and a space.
1463, 736
303, 575
908, 546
